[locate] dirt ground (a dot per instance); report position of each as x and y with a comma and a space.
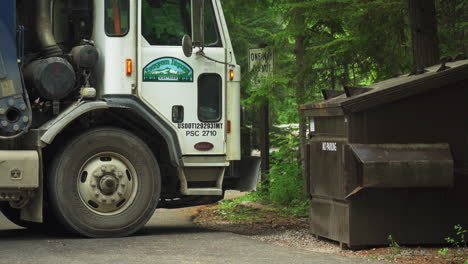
276, 228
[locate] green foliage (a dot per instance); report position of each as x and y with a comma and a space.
459, 241
347, 42
285, 174
284, 184
298, 208
233, 209
229, 209
452, 17
324, 44
443, 252
395, 248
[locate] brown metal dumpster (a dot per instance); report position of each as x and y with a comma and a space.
391, 159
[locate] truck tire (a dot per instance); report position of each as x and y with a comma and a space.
104, 183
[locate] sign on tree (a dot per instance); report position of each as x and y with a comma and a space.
261, 61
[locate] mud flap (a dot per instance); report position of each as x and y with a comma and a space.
247, 173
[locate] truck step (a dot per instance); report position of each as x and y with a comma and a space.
204, 191
215, 178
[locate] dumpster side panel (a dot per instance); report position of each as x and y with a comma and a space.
326, 168
327, 158
411, 216
329, 219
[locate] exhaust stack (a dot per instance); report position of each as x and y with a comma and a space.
45, 35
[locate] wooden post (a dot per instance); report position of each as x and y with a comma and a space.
259, 57
265, 134
265, 138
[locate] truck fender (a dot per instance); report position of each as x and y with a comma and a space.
57, 125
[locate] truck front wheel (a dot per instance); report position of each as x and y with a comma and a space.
105, 183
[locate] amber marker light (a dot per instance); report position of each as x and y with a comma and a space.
129, 67
231, 75
228, 126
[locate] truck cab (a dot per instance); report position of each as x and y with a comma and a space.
115, 108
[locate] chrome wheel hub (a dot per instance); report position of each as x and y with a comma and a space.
107, 183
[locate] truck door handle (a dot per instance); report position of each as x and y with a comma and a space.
177, 114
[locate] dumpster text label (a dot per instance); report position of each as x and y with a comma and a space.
329, 146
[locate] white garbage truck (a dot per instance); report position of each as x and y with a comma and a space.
110, 109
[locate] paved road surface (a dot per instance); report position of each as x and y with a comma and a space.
170, 237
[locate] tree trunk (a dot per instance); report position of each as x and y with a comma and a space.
345, 76
465, 37
424, 33
333, 78
300, 92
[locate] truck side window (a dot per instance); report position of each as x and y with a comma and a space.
165, 22
212, 38
209, 97
117, 17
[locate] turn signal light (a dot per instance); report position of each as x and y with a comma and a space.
129, 67
231, 75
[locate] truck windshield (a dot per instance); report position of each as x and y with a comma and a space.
165, 22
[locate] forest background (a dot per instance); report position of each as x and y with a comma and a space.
322, 44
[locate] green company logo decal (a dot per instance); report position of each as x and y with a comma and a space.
168, 70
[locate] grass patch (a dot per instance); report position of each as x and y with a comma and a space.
251, 208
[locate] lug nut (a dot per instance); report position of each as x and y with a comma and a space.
112, 168
103, 168
23, 107
11, 102
4, 123
16, 127
123, 185
25, 119
120, 194
2, 111
120, 174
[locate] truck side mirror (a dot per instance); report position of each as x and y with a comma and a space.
198, 23
187, 46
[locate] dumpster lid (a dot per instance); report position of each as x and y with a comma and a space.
403, 166
393, 89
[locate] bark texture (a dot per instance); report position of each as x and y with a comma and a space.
424, 33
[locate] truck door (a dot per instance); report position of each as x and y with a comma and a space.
189, 93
